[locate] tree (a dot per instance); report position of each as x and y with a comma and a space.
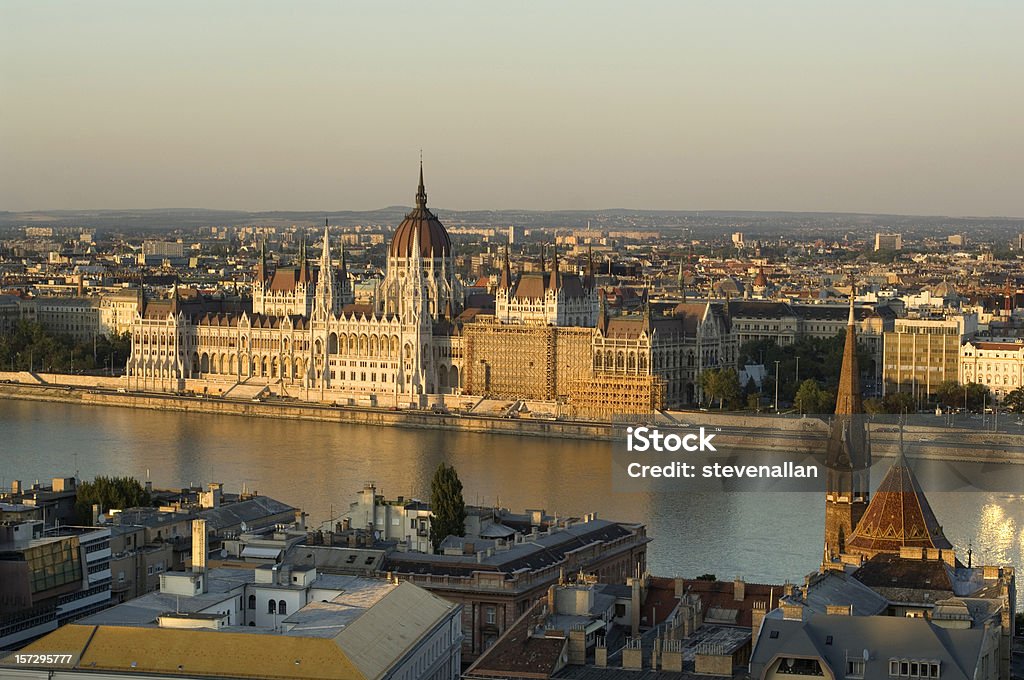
447, 505
109, 493
722, 384
950, 394
898, 402
874, 406
978, 396
1015, 400
810, 398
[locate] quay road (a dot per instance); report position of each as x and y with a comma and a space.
733, 430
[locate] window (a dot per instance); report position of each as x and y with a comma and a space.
490, 615
271, 607
282, 608
774, 635
855, 669
252, 602
894, 668
828, 639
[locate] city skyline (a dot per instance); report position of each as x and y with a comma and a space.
788, 106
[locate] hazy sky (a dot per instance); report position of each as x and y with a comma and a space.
913, 106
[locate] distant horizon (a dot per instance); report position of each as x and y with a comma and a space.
399, 206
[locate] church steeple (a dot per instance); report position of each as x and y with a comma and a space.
848, 397
848, 453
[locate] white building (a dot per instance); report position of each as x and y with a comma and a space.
997, 365
306, 334
554, 298
272, 621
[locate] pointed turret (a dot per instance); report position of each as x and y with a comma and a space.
553, 280
506, 273
647, 312
543, 249
898, 516
590, 280
261, 268
303, 269
421, 192
602, 313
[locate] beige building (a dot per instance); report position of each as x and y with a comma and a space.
117, 311
78, 317
921, 354
996, 365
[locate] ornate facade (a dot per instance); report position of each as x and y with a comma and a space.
306, 336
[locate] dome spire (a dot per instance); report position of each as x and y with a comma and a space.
421, 192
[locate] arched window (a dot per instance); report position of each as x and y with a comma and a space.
252, 602
282, 608
271, 607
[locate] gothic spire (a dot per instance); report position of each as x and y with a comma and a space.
261, 269
303, 270
553, 281
421, 192
590, 267
506, 273
848, 397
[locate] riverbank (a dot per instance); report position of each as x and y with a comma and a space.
524, 427
736, 431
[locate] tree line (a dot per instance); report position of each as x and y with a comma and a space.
29, 346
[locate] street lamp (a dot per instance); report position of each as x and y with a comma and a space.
798, 372
776, 386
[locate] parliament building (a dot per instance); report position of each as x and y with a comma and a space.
547, 338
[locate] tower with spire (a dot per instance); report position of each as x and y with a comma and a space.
422, 242
848, 453
548, 297
898, 516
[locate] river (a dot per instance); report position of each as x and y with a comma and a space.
761, 537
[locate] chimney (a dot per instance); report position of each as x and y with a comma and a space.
300, 520
757, 615
739, 590
839, 610
792, 612
199, 549
551, 600
95, 514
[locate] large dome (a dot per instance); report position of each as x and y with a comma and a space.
424, 225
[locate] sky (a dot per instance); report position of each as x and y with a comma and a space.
912, 107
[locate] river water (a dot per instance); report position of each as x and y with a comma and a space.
761, 537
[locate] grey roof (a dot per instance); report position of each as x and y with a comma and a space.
533, 553
397, 622
143, 610
841, 589
830, 638
251, 510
